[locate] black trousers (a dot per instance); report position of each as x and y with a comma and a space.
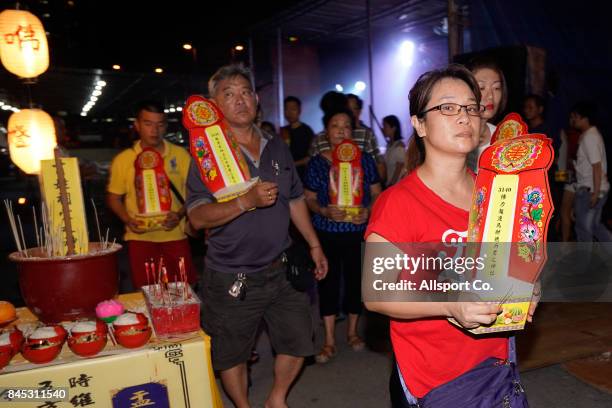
343, 251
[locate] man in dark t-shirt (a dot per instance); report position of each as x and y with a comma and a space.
244, 281
298, 135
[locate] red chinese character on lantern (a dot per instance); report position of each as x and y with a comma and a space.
22, 139
24, 34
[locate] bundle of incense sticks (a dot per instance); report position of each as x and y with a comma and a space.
161, 290
48, 238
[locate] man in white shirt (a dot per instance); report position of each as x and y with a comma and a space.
592, 184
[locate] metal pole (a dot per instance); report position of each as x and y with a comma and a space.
370, 74
251, 61
281, 97
453, 34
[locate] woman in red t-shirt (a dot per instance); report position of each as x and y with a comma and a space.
431, 205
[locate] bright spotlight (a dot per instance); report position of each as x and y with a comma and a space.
406, 53
360, 86
339, 88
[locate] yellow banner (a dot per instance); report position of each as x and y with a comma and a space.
230, 171
151, 194
502, 207
51, 193
497, 238
345, 191
499, 225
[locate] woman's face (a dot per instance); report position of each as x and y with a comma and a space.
491, 89
451, 134
339, 128
388, 130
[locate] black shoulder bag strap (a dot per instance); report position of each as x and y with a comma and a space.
188, 228
176, 192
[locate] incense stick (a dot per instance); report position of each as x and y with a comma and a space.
36, 227
11, 217
23, 237
93, 203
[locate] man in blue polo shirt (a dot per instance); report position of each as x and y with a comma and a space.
248, 236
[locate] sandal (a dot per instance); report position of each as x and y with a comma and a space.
356, 343
326, 354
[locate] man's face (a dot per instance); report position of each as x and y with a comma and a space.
292, 112
151, 128
577, 122
531, 110
354, 107
237, 101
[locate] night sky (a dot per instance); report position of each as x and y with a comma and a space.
140, 35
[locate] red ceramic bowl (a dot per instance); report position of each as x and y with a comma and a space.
44, 350
88, 343
15, 338
40, 354
133, 337
67, 288
6, 353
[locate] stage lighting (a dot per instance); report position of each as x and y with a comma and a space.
406, 53
360, 86
339, 88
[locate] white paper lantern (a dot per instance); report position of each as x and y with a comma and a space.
31, 138
23, 43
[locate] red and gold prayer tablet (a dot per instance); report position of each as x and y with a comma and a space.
152, 189
509, 217
220, 162
346, 178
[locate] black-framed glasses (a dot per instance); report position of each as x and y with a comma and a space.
453, 109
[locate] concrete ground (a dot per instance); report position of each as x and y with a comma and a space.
360, 379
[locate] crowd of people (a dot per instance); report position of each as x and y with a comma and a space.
427, 191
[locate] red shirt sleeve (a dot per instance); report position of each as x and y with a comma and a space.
391, 216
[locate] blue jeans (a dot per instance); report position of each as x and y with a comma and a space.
588, 219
